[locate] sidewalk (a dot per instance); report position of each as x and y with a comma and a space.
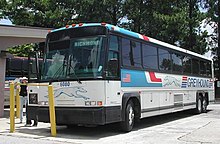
21, 129
175, 128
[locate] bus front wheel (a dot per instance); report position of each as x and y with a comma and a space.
128, 123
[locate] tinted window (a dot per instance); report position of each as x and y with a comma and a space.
16, 64
25, 65
8, 61
149, 57
136, 54
113, 57
209, 67
177, 62
164, 60
113, 43
67, 34
203, 68
187, 64
195, 66
131, 53
126, 52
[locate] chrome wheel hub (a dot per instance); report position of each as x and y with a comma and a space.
199, 105
131, 116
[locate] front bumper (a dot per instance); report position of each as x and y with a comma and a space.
77, 115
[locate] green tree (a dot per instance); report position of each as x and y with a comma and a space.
173, 21
194, 39
22, 50
58, 13
213, 19
39, 13
98, 11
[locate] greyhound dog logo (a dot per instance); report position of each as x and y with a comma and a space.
76, 92
171, 81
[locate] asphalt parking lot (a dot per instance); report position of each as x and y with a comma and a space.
177, 128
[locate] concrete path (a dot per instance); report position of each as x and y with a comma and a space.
177, 128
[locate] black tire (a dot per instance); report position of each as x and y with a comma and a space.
128, 124
204, 105
199, 105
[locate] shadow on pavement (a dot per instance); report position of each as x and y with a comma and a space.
94, 133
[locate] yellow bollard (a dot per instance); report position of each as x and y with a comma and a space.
12, 108
52, 111
17, 103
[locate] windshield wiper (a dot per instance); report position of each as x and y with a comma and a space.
57, 73
73, 73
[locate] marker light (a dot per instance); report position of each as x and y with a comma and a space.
67, 26
80, 24
49, 31
103, 23
73, 25
99, 103
112, 28
93, 103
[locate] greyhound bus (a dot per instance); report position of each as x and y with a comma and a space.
103, 74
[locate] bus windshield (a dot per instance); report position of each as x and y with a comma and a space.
74, 58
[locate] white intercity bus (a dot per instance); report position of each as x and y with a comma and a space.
104, 74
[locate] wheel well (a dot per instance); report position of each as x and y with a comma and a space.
135, 98
203, 95
137, 107
207, 97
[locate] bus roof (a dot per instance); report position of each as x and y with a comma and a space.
133, 34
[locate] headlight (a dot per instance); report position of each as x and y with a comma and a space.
33, 98
43, 103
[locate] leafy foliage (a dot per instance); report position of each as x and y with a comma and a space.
213, 20
22, 50
173, 21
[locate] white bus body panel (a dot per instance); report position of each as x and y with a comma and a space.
164, 93
72, 94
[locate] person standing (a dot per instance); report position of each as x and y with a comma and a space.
23, 99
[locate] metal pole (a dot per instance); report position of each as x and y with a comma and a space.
12, 108
52, 111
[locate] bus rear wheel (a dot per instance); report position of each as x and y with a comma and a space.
199, 106
204, 105
128, 123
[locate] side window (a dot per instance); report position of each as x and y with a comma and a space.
164, 60
131, 53
15, 67
136, 54
8, 62
209, 69
187, 64
202, 68
195, 66
113, 57
126, 47
177, 63
150, 60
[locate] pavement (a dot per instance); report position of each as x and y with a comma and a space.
177, 128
